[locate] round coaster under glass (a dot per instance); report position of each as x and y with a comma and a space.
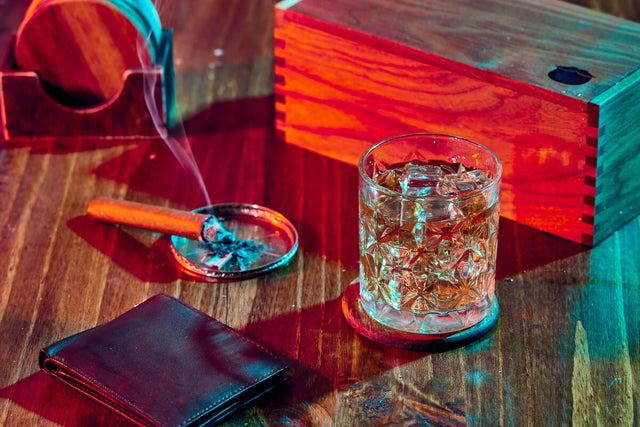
366, 326
265, 240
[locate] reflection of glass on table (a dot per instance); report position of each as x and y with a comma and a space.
429, 209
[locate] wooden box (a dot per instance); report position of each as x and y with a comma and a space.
552, 88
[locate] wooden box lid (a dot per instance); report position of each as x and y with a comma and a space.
513, 43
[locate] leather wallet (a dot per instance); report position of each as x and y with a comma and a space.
164, 363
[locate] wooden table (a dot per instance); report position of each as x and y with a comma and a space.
566, 349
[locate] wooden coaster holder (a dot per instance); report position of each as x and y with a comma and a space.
27, 111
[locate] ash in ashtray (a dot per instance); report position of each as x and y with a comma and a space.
234, 255
214, 231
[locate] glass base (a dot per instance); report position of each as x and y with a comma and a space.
375, 331
430, 323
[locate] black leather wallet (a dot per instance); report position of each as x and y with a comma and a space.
164, 363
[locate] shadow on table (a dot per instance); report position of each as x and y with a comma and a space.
152, 263
228, 141
326, 354
324, 351
522, 248
50, 399
318, 194
223, 116
64, 145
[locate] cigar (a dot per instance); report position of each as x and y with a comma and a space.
197, 226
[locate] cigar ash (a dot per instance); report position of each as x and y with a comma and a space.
233, 255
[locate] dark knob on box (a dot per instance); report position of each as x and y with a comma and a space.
570, 75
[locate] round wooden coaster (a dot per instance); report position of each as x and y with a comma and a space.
80, 49
144, 15
375, 331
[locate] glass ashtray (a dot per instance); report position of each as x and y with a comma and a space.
271, 238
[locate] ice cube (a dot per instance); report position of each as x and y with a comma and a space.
465, 185
447, 186
389, 179
479, 176
457, 183
472, 180
420, 179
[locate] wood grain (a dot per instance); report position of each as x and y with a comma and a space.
565, 349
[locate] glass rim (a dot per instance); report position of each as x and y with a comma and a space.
491, 183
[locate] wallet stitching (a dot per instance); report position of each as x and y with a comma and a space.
107, 389
197, 414
210, 319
